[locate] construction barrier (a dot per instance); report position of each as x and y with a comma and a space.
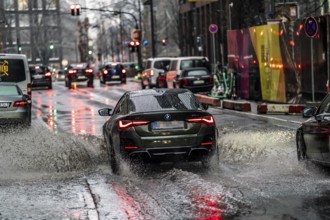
279, 108
237, 105
208, 100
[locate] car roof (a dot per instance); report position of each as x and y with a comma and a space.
161, 58
12, 56
192, 57
156, 91
8, 84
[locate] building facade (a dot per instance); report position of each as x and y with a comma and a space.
32, 27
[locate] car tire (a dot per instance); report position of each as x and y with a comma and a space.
50, 86
142, 85
69, 84
301, 147
90, 83
27, 122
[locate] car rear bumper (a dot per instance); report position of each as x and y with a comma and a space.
18, 115
41, 82
181, 154
204, 88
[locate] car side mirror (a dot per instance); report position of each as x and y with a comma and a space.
105, 112
308, 112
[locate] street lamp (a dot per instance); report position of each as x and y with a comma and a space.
229, 10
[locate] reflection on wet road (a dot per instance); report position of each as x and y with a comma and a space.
58, 169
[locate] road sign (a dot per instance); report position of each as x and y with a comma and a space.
213, 28
135, 35
311, 26
144, 42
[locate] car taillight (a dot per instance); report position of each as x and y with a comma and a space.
105, 72
89, 70
204, 120
130, 147
72, 71
29, 90
124, 124
207, 144
21, 103
123, 71
48, 74
211, 80
185, 82
152, 72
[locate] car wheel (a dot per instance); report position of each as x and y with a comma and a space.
50, 86
69, 84
301, 147
142, 85
90, 83
27, 121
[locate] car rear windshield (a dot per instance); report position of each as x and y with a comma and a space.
196, 73
194, 63
165, 101
8, 90
38, 70
12, 70
162, 64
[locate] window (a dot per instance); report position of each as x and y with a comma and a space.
173, 65
9, 90
50, 4
36, 4
11, 20
9, 5
24, 20
15, 70
325, 106
23, 5
24, 36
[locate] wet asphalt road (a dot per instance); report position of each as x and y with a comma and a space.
58, 168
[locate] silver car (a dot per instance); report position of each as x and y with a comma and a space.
14, 105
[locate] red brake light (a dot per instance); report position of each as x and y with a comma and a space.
204, 120
130, 147
211, 80
48, 74
89, 70
29, 90
185, 82
124, 124
152, 72
72, 71
21, 103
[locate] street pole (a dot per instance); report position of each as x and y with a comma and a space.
229, 11
312, 70
153, 44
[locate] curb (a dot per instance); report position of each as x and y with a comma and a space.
237, 105
208, 100
279, 108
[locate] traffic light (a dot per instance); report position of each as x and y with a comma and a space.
164, 42
75, 9
133, 45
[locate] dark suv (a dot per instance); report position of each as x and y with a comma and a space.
80, 72
41, 76
112, 72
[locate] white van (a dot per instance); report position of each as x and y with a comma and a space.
14, 68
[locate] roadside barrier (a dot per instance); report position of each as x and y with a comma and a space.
237, 105
208, 100
279, 108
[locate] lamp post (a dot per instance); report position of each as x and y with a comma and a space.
229, 11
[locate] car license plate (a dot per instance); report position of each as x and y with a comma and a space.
4, 104
167, 125
81, 77
115, 77
37, 76
198, 82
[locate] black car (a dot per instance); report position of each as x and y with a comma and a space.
313, 136
196, 79
41, 76
80, 72
159, 125
112, 72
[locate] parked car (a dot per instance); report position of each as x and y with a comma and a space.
181, 63
41, 76
112, 72
153, 69
158, 125
197, 79
14, 105
313, 136
80, 72
14, 68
